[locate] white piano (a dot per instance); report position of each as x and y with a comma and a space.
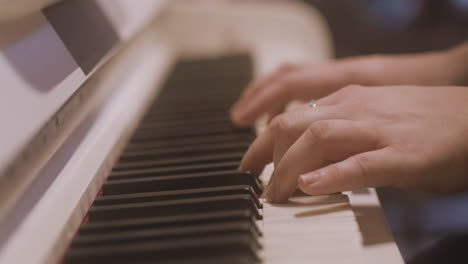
81, 82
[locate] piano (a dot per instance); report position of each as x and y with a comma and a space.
117, 145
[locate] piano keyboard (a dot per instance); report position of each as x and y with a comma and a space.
175, 195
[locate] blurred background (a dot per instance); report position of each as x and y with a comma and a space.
428, 228
394, 26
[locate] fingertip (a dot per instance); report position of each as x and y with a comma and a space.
255, 171
267, 195
244, 166
234, 116
309, 178
309, 183
275, 194
239, 119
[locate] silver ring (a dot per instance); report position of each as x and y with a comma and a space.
313, 105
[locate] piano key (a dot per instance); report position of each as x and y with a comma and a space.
174, 170
235, 259
163, 234
206, 114
201, 159
206, 106
184, 151
183, 122
192, 141
201, 110
230, 245
176, 195
155, 118
237, 67
180, 182
187, 132
208, 86
221, 97
222, 216
173, 207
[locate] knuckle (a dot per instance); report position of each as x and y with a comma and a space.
361, 165
286, 67
320, 130
281, 124
349, 95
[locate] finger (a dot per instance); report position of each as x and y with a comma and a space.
275, 112
322, 142
305, 84
284, 129
258, 85
270, 78
369, 169
290, 126
259, 154
275, 96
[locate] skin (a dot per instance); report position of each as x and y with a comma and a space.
398, 121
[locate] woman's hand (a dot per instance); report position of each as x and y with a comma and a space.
401, 136
270, 94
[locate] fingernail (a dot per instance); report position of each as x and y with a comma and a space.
309, 178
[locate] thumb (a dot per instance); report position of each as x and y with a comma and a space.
370, 169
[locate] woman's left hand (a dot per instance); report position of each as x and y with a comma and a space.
401, 136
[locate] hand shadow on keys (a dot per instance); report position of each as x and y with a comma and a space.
370, 219
316, 205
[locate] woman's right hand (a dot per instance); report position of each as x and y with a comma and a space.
270, 94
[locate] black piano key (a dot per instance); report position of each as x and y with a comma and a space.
208, 88
166, 118
239, 67
201, 159
208, 85
234, 259
202, 111
181, 182
207, 114
183, 151
191, 107
183, 122
223, 216
174, 170
176, 195
164, 234
169, 126
192, 141
218, 97
187, 132
173, 207
220, 131
184, 249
